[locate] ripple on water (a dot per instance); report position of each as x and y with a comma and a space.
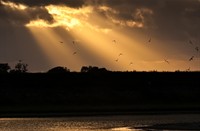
125, 129
115, 123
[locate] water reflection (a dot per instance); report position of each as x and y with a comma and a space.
125, 129
114, 123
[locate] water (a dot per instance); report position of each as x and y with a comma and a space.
106, 123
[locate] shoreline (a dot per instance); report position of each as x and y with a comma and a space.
172, 126
166, 121
94, 114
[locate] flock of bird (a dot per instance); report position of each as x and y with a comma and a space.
192, 57
149, 41
165, 60
114, 41
196, 48
74, 43
121, 54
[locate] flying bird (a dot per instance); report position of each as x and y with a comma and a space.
166, 61
61, 42
149, 40
75, 53
190, 42
114, 41
117, 60
131, 63
188, 69
73, 42
120, 54
191, 58
197, 49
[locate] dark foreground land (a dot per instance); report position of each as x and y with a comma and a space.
98, 93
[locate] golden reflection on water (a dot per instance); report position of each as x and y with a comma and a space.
111, 123
125, 129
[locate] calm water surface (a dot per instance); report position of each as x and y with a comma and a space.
106, 123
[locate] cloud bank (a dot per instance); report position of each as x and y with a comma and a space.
172, 17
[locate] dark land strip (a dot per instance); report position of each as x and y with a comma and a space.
109, 93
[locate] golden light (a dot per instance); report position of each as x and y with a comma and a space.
94, 39
58, 54
39, 23
106, 9
13, 5
64, 16
96, 46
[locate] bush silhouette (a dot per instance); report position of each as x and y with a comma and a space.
4, 68
20, 67
59, 69
93, 69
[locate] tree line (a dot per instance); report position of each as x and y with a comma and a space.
22, 67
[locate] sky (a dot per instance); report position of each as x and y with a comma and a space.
119, 35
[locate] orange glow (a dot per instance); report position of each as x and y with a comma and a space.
96, 46
38, 23
59, 54
13, 5
102, 46
64, 17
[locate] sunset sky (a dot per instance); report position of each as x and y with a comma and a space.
120, 35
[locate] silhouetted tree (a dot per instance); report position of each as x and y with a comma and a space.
84, 69
4, 68
93, 69
20, 67
59, 69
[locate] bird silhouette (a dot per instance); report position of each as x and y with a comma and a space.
190, 42
197, 49
192, 58
149, 40
188, 69
61, 42
117, 60
114, 41
75, 53
166, 61
73, 42
120, 54
131, 63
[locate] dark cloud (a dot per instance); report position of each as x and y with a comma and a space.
127, 12
171, 18
34, 11
18, 17
71, 3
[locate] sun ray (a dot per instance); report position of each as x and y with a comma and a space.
100, 45
58, 53
96, 47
